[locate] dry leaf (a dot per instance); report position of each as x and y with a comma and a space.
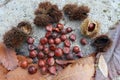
3, 72
103, 66
79, 70
22, 74
8, 57
112, 57
62, 62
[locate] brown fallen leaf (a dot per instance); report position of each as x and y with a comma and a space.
3, 72
8, 57
111, 57
83, 69
62, 62
22, 74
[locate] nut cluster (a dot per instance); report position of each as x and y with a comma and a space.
55, 45
76, 12
47, 13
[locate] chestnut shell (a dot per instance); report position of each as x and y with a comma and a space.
25, 27
14, 37
47, 13
102, 43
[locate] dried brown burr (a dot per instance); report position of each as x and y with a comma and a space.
42, 20
47, 13
102, 43
76, 12
80, 13
14, 37
68, 9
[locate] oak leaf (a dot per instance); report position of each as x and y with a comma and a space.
83, 69
8, 57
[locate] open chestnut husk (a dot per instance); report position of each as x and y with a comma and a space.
102, 43
90, 28
25, 27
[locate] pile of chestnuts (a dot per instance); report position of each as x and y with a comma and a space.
55, 45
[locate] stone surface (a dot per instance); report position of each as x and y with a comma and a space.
106, 12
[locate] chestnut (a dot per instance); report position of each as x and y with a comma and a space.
40, 55
91, 27
41, 63
33, 53
69, 29
63, 31
46, 50
58, 52
72, 37
24, 64
56, 30
52, 47
57, 41
60, 26
50, 61
49, 28
40, 47
83, 41
51, 41
32, 69
31, 47
76, 49
66, 50
63, 37
30, 40
48, 34
67, 43
43, 40
51, 54
54, 35
70, 56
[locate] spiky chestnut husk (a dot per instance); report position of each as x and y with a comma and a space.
51, 14
68, 9
76, 13
42, 20
45, 5
40, 11
43, 8
102, 43
25, 26
80, 13
14, 37
55, 14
